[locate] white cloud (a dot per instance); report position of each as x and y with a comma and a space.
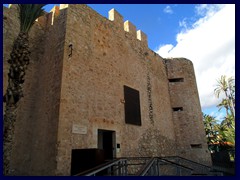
210, 44
168, 10
165, 49
183, 23
207, 10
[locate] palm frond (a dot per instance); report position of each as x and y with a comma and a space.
222, 86
28, 13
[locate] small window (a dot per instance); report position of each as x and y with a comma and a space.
176, 80
132, 106
194, 146
177, 109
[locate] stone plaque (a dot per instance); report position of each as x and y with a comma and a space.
78, 129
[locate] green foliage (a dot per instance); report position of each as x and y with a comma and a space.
28, 13
221, 86
219, 134
227, 87
211, 129
228, 135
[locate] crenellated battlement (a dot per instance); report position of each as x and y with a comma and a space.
117, 18
12, 6
129, 27
142, 36
48, 19
113, 15
55, 12
63, 6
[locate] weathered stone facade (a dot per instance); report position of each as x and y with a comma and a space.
80, 62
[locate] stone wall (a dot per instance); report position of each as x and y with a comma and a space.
189, 128
35, 138
80, 63
103, 56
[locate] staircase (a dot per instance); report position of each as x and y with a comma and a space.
151, 166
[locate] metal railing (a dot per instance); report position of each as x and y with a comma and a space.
114, 168
135, 164
151, 166
198, 168
168, 168
160, 167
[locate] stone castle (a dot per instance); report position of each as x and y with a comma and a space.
93, 83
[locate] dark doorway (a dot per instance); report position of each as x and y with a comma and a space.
106, 141
84, 159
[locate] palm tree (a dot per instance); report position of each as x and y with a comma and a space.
225, 104
209, 125
226, 85
227, 131
231, 85
228, 122
19, 60
222, 86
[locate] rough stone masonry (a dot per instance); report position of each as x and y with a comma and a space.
74, 89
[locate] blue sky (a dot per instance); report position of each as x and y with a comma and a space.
159, 25
205, 34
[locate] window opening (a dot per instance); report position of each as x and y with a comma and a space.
132, 106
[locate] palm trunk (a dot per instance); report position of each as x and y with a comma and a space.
19, 59
228, 103
231, 104
227, 113
9, 122
231, 107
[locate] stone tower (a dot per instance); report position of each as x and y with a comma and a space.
187, 115
84, 73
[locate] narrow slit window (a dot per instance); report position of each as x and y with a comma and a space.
176, 80
177, 109
132, 106
194, 146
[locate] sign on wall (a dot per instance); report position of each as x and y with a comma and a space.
79, 129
